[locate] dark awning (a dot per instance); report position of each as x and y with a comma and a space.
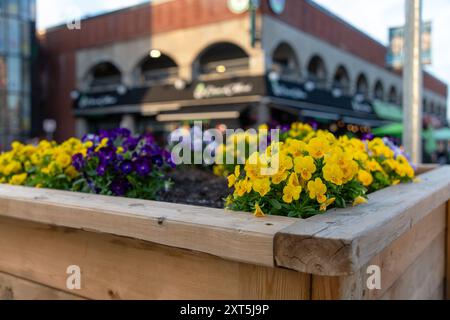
233, 90
324, 104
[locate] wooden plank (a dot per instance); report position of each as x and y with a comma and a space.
235, 236
121, 268
341, 242
424, 277
339, 288
13, 288
393, 262
439, 294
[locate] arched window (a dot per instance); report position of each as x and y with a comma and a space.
362, 86
104, 75
156, 68
285, 62
341, 80
378, 92
393, 96
317, 71
223, 58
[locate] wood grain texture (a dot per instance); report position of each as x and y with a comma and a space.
121, 268
235, 236
424, 277
13, 288
341, 242
439, 294
393, 262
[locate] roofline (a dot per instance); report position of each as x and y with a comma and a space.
346, 23
349, 25
310, 2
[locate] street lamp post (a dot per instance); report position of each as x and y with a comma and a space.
412, 75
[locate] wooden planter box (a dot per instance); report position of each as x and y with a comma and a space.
132, 249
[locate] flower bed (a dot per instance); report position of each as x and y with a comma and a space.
304, 174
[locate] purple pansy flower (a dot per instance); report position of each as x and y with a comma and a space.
126, 167
130, 143
107, 155
101, 169
78, 161
143, 166
119, 187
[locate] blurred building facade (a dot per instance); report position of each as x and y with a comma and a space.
153, 65
17, 40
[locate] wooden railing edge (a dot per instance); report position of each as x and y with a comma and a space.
342, 241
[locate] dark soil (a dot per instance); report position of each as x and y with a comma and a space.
196, 187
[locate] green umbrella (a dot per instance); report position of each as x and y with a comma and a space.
393, 130
442, 134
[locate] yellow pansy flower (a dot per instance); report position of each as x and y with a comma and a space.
12, 168
259, 213
317, 190
63, 160
365, 178
242, 187
234, 177
324, 206
293, 189
262, 186
333, 173
359, 200
318, 147
305, 166
18, 179
280, 177
102, 144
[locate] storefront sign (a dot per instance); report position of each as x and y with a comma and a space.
207, 91
216, 89
97, 102
362, 107
283, 90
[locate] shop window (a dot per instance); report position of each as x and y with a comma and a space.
285, 62
362, 86
157, 68
379, 91
104, 76
393, 96
341, 80
317, 71
223, 58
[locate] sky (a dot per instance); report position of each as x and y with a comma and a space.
373, 17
